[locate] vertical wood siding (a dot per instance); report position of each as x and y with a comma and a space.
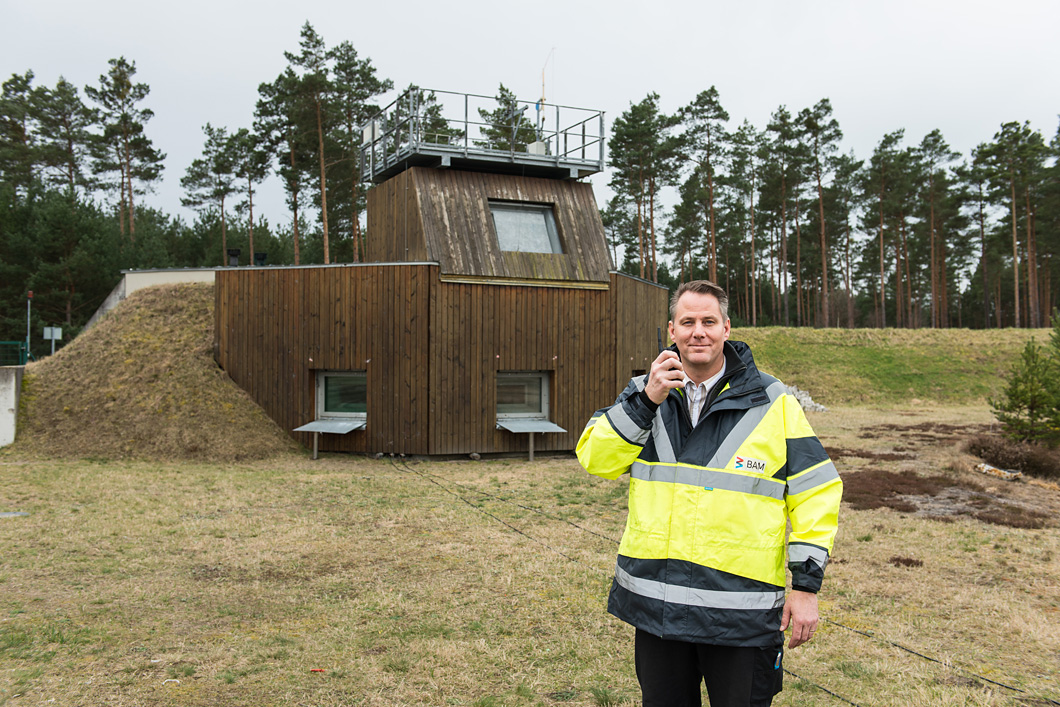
277, 327
443, 216
638, 309
432, 350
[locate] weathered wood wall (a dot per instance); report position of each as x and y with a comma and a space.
638, 309
276, 327
432, 349
443, 216
480, 330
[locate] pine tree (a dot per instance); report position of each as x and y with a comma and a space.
823, 134
975, 176
876, 188
124, 147
783, 151
64, 137
705, 140
1028, 407
354, 86
506, 127
209, 180
250, 165
16, 140
281, 117
315, 87
644, 156
1016, 158
935, 154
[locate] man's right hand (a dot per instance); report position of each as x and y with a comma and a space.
667, 373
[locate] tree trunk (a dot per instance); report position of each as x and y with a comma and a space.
323, 184
651, 223
294, 205
934, 257
756, 296
250, 201
713, 264
784, 244
824, 250
127, 166
898, 318
640, 220
1015, 256
224, 235
1032, 263
882, 318
798, 266
910, 317
982, 261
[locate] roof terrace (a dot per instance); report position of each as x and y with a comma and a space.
443, 129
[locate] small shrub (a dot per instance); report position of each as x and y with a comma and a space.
1031, 459
1029, 406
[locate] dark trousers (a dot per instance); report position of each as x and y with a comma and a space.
671, 673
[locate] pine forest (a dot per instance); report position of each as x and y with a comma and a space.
914, 234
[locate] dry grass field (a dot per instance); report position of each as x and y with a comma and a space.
150, 557
353, 581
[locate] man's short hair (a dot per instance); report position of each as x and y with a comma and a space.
701, 287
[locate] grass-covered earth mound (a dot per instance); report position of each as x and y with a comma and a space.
896, 366
143, 384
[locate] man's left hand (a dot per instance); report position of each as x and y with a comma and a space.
800, 610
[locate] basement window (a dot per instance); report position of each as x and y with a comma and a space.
342, 394
525, 228
522, 394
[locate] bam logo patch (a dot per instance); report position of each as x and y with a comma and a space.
748, 464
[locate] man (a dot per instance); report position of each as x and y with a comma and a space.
720, 458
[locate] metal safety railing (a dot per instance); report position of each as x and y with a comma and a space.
444, 124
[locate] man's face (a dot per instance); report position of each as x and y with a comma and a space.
700, 332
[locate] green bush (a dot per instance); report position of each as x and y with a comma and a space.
1029, 406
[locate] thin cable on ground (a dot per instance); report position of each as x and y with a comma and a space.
936, 660
527, 508
428, 477
819, 687
587, 530
485, 512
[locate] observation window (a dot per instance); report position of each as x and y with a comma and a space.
525, 228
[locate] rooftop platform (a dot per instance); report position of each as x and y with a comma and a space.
427, 128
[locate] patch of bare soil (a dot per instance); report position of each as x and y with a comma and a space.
932, 432
920, 467
143, 384
939, 497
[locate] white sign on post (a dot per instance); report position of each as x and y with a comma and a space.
53, 333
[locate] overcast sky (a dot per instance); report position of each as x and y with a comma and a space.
962, 66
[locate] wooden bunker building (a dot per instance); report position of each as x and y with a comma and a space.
487, 317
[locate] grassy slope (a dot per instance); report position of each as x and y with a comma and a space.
890, 366
143, 383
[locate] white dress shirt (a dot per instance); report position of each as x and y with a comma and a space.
697, 394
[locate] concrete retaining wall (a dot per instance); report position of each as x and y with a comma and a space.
133, 280
10, 385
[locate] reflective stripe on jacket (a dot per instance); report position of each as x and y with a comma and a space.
703, 554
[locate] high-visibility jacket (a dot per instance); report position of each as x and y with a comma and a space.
703, 554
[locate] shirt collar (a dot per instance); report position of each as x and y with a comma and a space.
709, 383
